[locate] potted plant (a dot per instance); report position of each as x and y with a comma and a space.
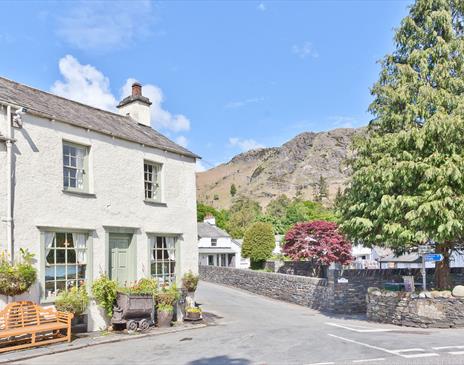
104, 291
76, 301
165, 300
190, 283
193, 313
16, 278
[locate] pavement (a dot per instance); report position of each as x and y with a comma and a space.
253, 330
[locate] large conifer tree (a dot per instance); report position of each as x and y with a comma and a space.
407, 186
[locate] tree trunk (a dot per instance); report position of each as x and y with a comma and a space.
442, 268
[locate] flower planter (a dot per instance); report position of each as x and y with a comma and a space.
164, 319
79, 323
193, 316
133, 310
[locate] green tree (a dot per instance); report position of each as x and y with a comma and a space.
407, 185
233, 190
242, 213
277, 207
258, 244
321, 189
221, 216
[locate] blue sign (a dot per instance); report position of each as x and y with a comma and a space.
433, 257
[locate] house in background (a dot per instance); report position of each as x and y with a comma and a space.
217, 248
92, 192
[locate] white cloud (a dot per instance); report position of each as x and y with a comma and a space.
305, 50
343, 121
241, 103
83, 83
102, 25
182, 141
261, 7
88, 85
244, 144
160, 118
200, 167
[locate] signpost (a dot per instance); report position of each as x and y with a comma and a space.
434, 257
424, 250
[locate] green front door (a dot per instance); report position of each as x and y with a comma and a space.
120, 257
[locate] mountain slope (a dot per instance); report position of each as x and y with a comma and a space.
292, 169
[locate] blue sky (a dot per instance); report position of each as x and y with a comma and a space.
224, 77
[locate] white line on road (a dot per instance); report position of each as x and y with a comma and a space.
448, 347
322, 363
368, 360
365, 330
456, 352
394, 352
409, 350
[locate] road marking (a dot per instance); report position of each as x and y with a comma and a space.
368, 360
448, 347
322, 363
394, 352
364, 330
409, 350
456, 352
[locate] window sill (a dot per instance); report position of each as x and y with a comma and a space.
80, 193
155, 203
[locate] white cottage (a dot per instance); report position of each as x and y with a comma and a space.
90, 191
217, 248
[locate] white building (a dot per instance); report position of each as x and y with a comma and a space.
91, 192
217, 248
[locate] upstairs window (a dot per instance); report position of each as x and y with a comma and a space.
152, 179
75, 167
213, 242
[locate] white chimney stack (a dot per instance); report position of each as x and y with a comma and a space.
136, 105
210, 219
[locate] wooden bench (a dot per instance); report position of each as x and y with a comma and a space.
25, 324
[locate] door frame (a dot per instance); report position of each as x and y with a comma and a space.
132, 272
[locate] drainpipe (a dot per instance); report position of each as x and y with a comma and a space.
9, 183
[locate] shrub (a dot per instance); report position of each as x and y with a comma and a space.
74, 300
258, 244
165, 308
190, 281
145, 286
17, 278
104, 290
167, 296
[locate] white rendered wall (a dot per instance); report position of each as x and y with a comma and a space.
116, 179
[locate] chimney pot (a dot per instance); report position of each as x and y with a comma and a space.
136, 89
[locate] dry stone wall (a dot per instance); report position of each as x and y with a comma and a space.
430, 309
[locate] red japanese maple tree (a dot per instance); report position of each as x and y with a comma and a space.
319, 242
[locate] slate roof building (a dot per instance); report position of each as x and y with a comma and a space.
217, 248
93, 192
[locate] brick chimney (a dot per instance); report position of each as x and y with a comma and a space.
136, 105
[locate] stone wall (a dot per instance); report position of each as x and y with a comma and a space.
342, 292
310, 292
431, 309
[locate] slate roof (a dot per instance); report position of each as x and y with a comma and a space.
206, 230
51, 106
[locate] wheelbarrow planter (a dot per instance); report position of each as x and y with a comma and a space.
135, 311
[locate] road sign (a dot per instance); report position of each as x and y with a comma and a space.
433, 257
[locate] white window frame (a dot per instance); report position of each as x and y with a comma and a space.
153, 187
165, 256
80, 170
86, 255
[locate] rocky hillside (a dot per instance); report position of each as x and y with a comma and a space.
292, 169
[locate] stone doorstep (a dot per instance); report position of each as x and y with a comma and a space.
82, 342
